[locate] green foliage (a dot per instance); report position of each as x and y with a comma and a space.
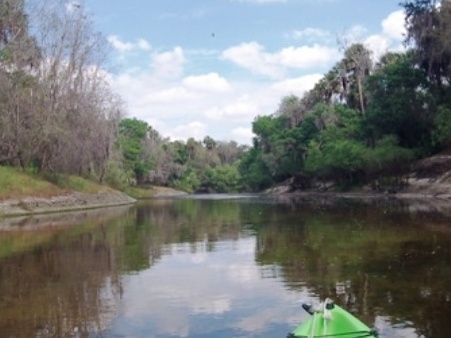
223, 179
340, 160
132, 134
15, 183
5, 55
140, 192
254, 172
388, 156
313, 137
116, 176
441, 134
189, 182
398, 103
328, 144
71, 182
266, 126
360, 121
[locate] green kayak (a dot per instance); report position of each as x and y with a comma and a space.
330, 320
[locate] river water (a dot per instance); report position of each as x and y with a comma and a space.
225, 266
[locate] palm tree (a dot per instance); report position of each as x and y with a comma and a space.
356, 66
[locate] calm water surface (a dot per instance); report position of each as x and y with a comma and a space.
224, 266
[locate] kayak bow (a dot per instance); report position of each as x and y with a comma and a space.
330, 320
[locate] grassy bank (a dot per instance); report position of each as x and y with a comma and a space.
16, 183
26, 193
20, 189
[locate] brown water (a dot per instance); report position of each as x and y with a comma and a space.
224, 266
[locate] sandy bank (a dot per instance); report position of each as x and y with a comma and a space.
167, 192
66, 202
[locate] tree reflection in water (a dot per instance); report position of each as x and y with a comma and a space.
387, 264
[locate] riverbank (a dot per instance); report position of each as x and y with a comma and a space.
415, 189
74, 200
430, 179
24, 193
69, 201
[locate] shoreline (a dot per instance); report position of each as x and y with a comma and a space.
413, 200
426, 194
72, 201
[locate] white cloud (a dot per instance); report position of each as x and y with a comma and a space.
242, 135
378, 45
393, 26
210, 82
311, 34
355, 34
242, 109
307, 56
252, 56
216, 305
118, 44
194, 129
171, 95
194, 105
123, 46
297, 86
143, 44
169, 64
172, 105
234, 266
390, 39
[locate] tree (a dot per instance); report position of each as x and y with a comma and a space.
441, 133
428, 25
399, 104
290, 107
229, 152
17, 46
355, 67
267, 128
132, 137
388, 159
223, 179
77, 114
254, 172
209, 142
19, 54
189, 182
341, 160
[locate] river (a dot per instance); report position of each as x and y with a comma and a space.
224, 266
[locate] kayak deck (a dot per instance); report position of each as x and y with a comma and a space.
330, 320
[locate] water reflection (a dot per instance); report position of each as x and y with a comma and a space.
225, 267
193, 293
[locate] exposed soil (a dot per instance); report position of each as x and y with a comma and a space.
66, 202
55, 220
167, 192
430, 179
430, 183
75, 201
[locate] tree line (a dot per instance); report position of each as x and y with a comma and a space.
57, 111
365, 121
58, 114
192, 166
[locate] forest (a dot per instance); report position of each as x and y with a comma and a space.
364, 123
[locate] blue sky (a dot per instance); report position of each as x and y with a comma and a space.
192, 68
